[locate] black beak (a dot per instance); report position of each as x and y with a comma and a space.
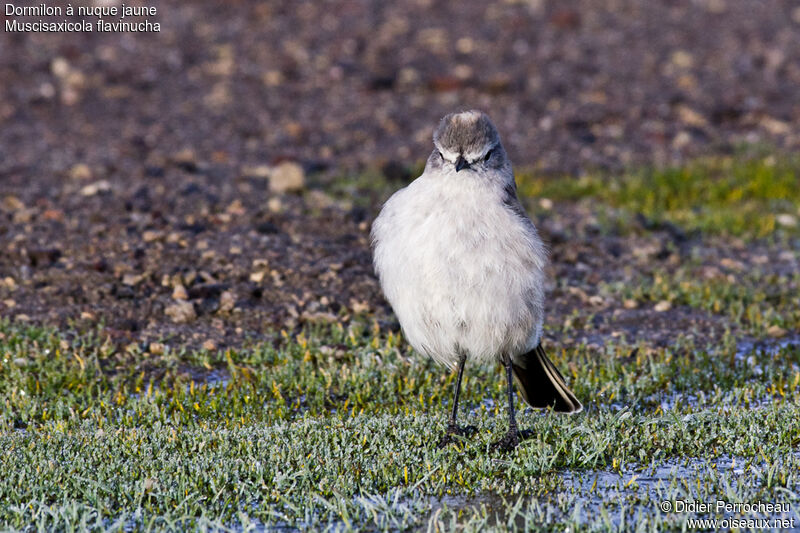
461, 163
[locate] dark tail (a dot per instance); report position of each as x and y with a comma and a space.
541, 384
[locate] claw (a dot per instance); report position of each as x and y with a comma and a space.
454, 432
508, 442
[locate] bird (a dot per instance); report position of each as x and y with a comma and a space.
463, 268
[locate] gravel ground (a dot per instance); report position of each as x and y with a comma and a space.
132, 189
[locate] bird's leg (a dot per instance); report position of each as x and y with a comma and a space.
453, 428
511, 439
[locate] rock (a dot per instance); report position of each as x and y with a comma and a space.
787, 220
179, 292
12, 203
287, 177
152, 235
689, 116
181, 312
209, 345
682, 59
80, 172
95, 188
662, 306
132, 279
630, 304
776, 331
258, 171
156, 348
775, 126
227, 301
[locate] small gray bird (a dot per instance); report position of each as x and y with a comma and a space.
462, 266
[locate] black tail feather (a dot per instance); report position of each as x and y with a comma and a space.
541, 384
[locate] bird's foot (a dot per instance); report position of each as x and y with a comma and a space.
454, 431
511, 439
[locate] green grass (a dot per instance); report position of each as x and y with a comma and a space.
741, 195
337, 428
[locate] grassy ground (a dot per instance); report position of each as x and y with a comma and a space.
335, 427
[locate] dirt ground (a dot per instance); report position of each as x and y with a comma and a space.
132, 189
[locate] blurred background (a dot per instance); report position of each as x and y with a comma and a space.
212, 181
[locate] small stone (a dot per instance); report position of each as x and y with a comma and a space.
257, 276
275, 205
319, 199
81, 172
776, 331
181, 312
663, 305
546, 203
682, 59
287, 177
258, 171
689, 116
359, 307
179, 292
596, 300
12, 203
156, 348
227, 301
787, 220
732, 264
152, 235
60, 67
9, 303
775, 126
209, 345
95, 188
132, 279
630, 303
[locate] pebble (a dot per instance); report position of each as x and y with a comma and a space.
80, 172
95, 188
787, 220
156, 348
776, 331
662, 306
181, 312
179, 293
287, 177
227, 301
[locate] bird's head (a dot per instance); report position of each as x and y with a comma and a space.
468, 141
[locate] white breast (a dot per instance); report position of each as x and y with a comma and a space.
462, 271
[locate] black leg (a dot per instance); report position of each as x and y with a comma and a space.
454, 414
511, 439
453, 428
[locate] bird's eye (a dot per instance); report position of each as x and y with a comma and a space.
440, 154
488, 154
